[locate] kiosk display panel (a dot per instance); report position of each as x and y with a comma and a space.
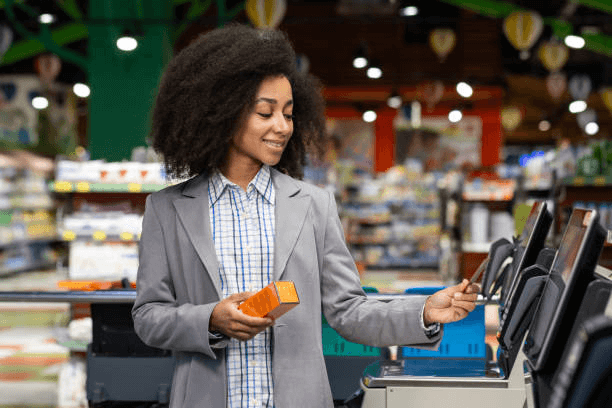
570, 274
530, 244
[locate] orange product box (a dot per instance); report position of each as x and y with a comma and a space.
274, 300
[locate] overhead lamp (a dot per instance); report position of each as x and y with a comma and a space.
369, 116
577, 106
544, 125
455, 115
81, 90
394, 100
409, 11
574, 41
360, 57
46, 18
374, 71
464, 89
127, 42
591, 128
40, 102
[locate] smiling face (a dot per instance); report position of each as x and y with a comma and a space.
265, 131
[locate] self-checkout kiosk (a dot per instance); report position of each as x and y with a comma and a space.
584, 374
445, 382
557, 312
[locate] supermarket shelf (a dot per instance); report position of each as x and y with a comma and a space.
20, 242
486, 198
404, 264
25, 268
384, 219
587, 181
99, 236
85, 187
17, 207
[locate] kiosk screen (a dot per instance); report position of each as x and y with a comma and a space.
531, 242
571, 272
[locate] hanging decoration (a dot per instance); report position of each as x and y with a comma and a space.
48, 67
6, 39
606, 96
523, 28
553, 55
580, 87
431, 93
586, 117
556, 84
511, 118
266, 13
442, 41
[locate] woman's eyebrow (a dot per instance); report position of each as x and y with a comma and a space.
272, 101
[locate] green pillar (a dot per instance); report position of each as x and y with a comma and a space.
123, 84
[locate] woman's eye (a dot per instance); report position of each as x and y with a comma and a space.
265, 115
289, 117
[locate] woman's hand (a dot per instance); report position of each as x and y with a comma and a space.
451, 304
226, 318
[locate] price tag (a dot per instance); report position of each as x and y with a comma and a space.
134, 188
62, 186
83, 187
99, 236
599, 181
126, 236
69, 235
579, 181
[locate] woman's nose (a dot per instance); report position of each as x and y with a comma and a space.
281, 124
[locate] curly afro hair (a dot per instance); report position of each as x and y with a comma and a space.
207, 89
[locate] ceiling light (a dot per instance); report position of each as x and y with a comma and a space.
455, 116
544, 125
360, 56
374, 72
574, 41
591, 128
360, 62
464, 89
46, 18
577, 106
409, 11
40, 102
369, 116
81, 90
127, 43
394, 100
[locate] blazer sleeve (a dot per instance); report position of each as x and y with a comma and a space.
346, 306
158, 319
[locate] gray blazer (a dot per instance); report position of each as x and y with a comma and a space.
178, 285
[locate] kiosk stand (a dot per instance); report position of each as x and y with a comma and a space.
438, 384
394, 387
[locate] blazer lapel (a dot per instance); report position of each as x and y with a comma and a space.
192, 209
291, 209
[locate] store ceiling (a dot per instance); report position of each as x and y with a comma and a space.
329, 32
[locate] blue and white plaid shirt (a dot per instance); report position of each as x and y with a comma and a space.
242, 225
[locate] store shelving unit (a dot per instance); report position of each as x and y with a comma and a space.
397, 228
92, 243
496, 195
28, 234
590, 192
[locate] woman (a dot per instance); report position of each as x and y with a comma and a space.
233, 112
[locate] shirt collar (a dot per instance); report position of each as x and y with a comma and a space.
262, 182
